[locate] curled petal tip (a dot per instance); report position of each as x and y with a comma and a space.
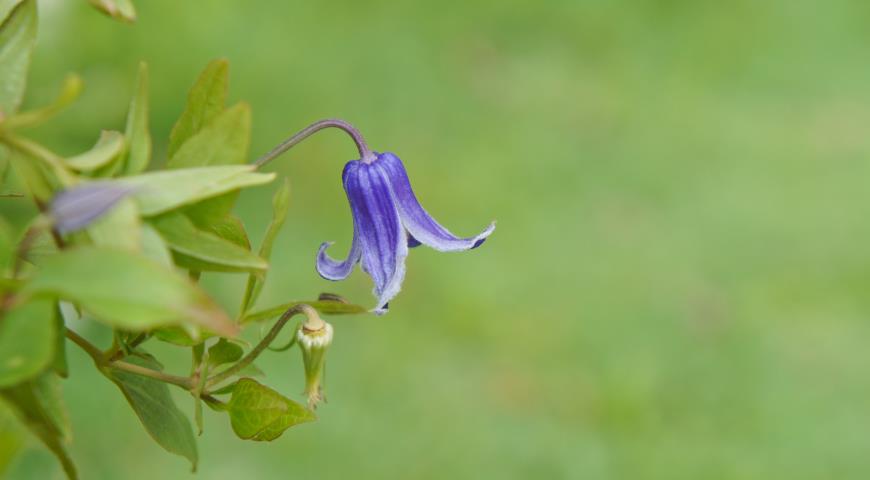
483, 235
331, 269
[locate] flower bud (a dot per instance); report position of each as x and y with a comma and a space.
78, 207
314, 338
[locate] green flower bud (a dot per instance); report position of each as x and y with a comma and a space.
314, 338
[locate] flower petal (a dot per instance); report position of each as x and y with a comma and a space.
334, 270
382, 239
78, 207
420, 225
327, 267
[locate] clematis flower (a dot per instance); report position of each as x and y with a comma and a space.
387, 220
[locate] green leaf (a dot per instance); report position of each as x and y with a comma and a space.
127, 290
179, 336
229, 228
7, 247
159, 192
326, 307
107, 148
119, 228
17, 37
69, 92
203, 251
153, 404
11, 438
154, 247
205, 101
59, 363
122, 10
224, 352
6, 7
259, 413
280, 207
33, 175
224, 141
38, 404
138, 152
28, 336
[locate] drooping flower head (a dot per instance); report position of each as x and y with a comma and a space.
387, 220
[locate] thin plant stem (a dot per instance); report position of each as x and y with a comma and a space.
260, 347
182, 382
365, 153
103, 362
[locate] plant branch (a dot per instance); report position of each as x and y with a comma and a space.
260, 347
183, 382
103, 362
87, 346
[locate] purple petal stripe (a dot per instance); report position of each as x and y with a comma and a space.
420, 225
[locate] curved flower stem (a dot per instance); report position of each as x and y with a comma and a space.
260, 347
365, 154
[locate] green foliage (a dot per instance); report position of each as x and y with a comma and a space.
17, 38
199, 250
153, 404
280, 207
138, 152
27, 341
127, 290
205, 101
162, 191
122, 10
262, 414
39, 405
108, 147
224, 352
122, 264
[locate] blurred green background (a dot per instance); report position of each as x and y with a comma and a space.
678, 285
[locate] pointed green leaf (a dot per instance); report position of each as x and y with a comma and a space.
28, 337
107, 148
205, 101
159, 192
17, 37
138, 135
33, 175
119, 228
203, 251
59, 363
224, 141
127, 290
118, 9
280, 207
7, 247
224, 352
38, 404
178, 336
229, 228
69, 92
6, 7
155, 408
154, 247
259, 413
11, 438
326, 307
